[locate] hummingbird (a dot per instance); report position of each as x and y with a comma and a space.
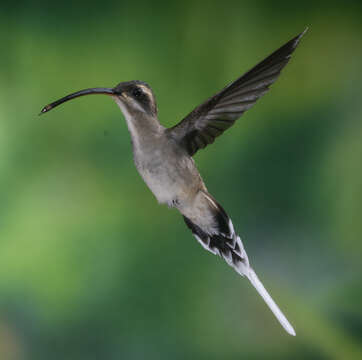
164, 156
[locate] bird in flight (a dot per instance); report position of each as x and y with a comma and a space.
163, 156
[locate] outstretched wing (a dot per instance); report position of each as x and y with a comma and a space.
219, 112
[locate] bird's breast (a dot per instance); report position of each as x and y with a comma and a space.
170, 176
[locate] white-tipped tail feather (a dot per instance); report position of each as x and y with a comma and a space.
228, 245
269, 301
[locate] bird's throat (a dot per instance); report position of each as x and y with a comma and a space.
143, 127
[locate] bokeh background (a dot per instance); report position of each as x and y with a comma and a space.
91, 267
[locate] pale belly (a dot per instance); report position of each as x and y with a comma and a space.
163, 186
173, 180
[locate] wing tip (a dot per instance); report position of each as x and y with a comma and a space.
296, 40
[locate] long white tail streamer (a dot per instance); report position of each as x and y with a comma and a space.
250, 274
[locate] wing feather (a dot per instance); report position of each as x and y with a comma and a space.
220, 111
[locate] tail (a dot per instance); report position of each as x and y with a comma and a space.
269, 301
227, 244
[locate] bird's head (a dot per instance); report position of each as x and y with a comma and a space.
133, 97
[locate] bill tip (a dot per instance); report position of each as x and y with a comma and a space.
45, 109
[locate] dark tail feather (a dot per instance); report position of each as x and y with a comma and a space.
229, 247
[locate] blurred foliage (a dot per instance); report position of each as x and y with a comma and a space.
92, 268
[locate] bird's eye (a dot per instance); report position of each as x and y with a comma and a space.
137, 92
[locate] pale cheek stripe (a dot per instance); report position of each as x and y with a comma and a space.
149, 93
134, 103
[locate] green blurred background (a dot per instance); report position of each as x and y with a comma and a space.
92, 268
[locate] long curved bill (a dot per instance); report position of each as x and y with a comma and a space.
102, 91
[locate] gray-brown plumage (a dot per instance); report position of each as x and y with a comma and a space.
163, 156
